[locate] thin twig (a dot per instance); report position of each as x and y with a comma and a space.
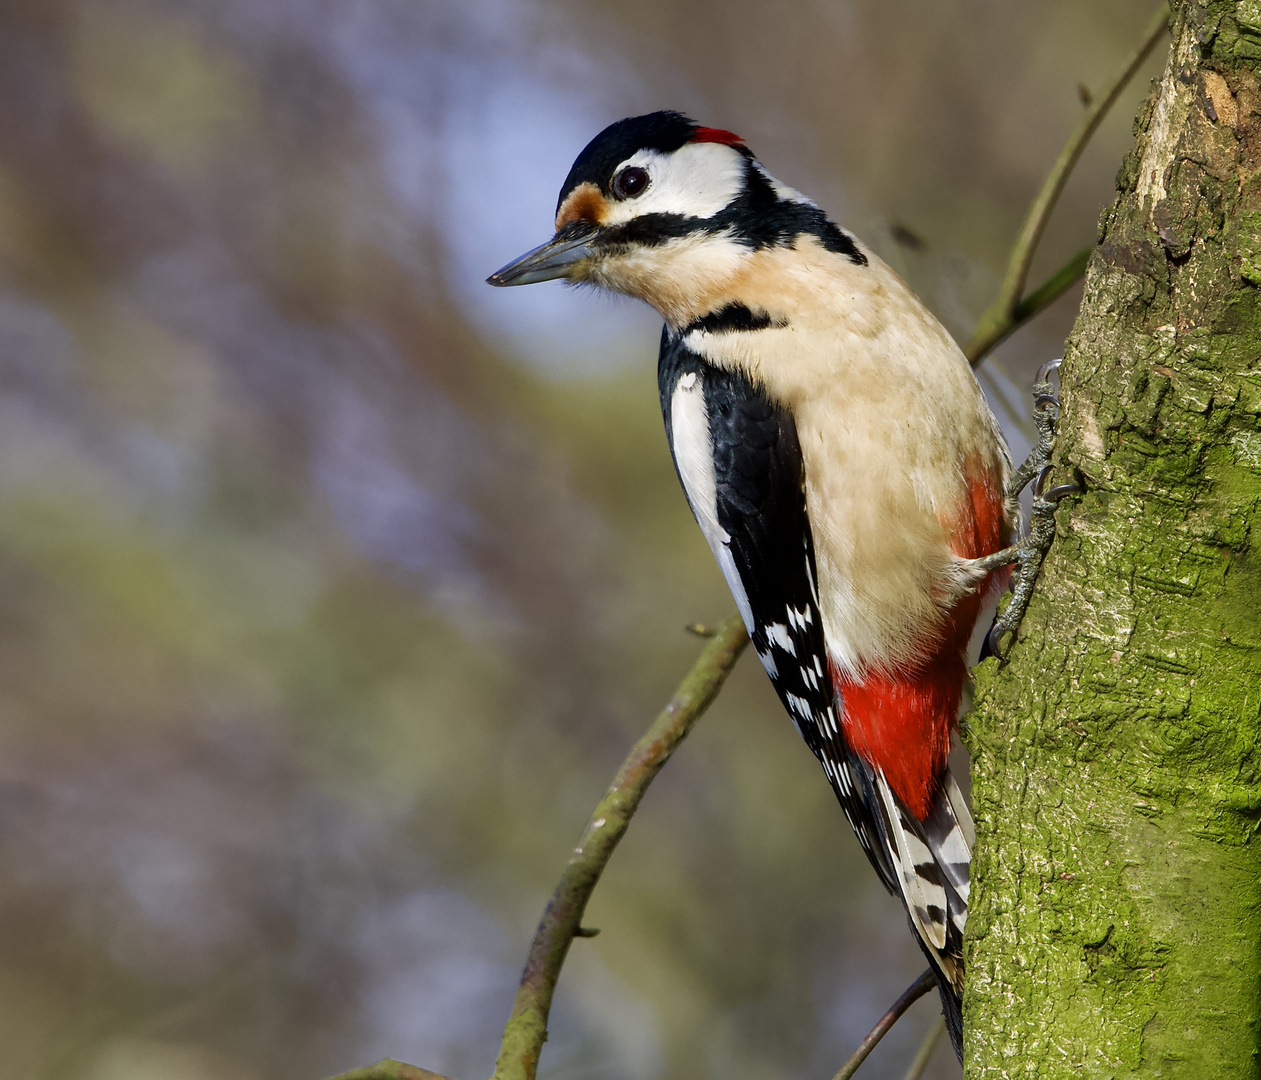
1043, 296
1053, 185
389, 1069
562, 919
926, 1048
912, 994
1001, 317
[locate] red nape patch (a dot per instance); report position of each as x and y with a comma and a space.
727, 138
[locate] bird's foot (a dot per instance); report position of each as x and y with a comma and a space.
1030, 551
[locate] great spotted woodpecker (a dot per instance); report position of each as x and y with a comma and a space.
841, 461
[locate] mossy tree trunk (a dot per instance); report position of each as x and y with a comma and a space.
1115, 928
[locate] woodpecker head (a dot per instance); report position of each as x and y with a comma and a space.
665, 210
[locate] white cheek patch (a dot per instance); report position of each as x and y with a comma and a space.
697, 180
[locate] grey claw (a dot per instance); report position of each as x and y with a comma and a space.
993, 640
1060, 490
1031, 551
1044, 372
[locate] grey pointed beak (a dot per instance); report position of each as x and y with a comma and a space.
573, 244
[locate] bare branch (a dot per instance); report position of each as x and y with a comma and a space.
1044, 295
912, 994
1003, 316
562, 919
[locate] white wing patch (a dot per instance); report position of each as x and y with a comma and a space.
694, 458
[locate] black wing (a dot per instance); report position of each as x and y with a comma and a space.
758, 488
740, 463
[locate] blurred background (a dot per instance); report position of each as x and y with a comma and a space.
335, 584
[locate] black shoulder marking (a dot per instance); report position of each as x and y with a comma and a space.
760, 482
836, 239
762, 218
731, 317
760, 489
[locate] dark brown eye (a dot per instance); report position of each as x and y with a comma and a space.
630, 182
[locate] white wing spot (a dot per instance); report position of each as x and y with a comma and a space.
768, 662
778, 633
800, 706
842, 776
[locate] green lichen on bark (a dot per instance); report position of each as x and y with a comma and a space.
1115, 925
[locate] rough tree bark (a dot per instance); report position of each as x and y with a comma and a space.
1115, 928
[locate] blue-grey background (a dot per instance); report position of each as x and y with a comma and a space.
334, 584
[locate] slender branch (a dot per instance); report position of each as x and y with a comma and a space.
562, 919
1001, 317
1053, 288
987, 336
912, 994
925, 1052
389, 1069
1053, 185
